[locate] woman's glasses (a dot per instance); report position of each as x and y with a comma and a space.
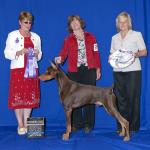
28, 22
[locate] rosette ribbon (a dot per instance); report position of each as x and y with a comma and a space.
30, 71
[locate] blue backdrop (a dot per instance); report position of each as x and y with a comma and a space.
51, 24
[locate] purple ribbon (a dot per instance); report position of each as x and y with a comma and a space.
30, 71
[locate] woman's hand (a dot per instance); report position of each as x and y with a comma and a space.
36, 52
109, 58
21, 52
98, 74
140, 53
58, 60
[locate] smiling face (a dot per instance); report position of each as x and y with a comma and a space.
25, 24
75, 24
123, 23
25, 21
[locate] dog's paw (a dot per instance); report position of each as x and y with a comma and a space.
122, 133
126, 138
65, 137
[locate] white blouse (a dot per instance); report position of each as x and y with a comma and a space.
132, 42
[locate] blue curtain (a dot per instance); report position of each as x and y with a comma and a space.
51, 24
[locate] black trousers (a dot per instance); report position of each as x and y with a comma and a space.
84, 116
128, 91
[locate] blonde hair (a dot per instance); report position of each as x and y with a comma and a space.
126, 15
26, 15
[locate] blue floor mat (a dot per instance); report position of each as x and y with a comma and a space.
98, 139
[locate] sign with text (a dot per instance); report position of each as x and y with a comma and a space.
35, 127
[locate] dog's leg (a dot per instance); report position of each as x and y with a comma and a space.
68, 125
124, 124
112, 109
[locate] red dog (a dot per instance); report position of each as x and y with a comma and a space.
74, 95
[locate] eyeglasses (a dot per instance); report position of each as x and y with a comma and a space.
28, 22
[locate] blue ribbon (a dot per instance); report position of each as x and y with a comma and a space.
30, 71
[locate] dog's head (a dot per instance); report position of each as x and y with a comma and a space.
50, 73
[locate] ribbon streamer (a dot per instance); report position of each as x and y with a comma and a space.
30, 71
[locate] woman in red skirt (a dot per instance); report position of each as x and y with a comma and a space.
23, 48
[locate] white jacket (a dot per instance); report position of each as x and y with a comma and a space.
14, 43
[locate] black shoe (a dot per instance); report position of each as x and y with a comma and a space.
74, 129
134, 130
87, 130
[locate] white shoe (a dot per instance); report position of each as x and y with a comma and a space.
21, 131
25, 129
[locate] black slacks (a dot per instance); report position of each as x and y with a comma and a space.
84, 116
128, 91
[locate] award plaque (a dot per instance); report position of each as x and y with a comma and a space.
35, 127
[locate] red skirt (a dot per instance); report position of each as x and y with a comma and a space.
24, 92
